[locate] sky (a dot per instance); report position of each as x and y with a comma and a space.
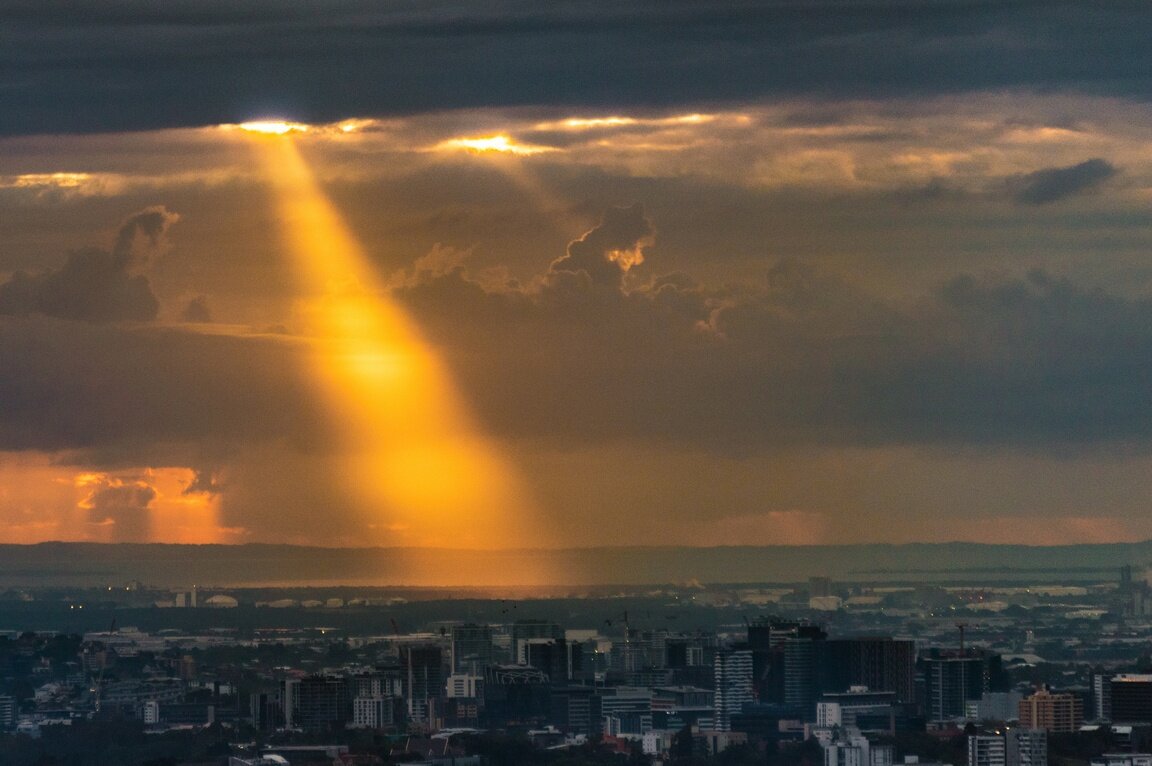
575, 274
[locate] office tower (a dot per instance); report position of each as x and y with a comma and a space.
423, 678
265, 711
383, 682
464, 685
626, 710
515, 696
859, 708
316, 703
850, 748
1131, 698
1102, 696
801, 682
768, 639
732, 672
562, 660
472, 648
575, 710
987, 750
1057, 713
1026, 747
881, 664
373, 712
951, 680
523, 630
7, 712
289, 701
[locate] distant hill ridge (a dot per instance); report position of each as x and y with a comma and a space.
164, 564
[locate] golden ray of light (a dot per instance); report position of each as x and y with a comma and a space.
415, 459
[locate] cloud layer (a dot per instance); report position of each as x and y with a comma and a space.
726, 305
95, 285
125, 66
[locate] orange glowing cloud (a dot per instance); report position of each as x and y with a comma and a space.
42, 500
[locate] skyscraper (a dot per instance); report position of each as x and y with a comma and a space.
881, 664
1131, 698
732, 671
472, 648
768, 639
1027, 747
987, 750
952, 679
423, 678
524, 630
316, 703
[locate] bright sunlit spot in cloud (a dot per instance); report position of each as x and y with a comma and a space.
414, 457
273, 127
502, 144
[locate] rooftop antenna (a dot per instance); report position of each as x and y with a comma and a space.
960, 626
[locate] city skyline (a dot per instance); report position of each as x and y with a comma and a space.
762, 274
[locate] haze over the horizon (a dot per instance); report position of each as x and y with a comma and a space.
689, 274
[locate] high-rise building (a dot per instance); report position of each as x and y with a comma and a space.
1018, 746
378, 683
423, 678
576, 710
515, 696
290, 701
987, 750
1102, 696
464, 685
859, 708
316, 703
265, 711
776, 679
373, 712
7, 712
951, 680
801, 681
472, 648
524, 630
626, 710
1131, 698
560, 659
732, 673
1057, 713
881, 664
1026, 747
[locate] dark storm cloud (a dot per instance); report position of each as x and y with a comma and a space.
1054, 184
600, 253
98, 65
96, 285
140, 395
804, 358
197, 310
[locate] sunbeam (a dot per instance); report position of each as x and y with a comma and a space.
415, 458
